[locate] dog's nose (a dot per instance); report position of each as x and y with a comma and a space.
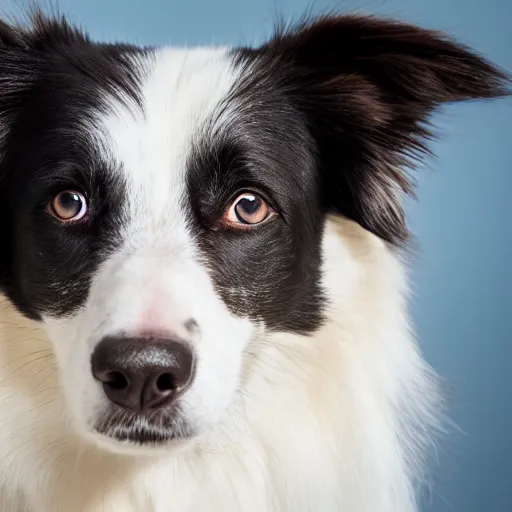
142, 373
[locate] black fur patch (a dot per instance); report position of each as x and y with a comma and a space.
271, 272
53, 81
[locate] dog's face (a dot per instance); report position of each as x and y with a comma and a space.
163, 209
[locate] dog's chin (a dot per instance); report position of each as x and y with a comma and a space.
138, 436
137, 446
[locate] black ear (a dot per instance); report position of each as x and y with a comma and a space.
24, 55
366, 87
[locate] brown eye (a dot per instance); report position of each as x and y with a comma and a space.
68, 205
248, 209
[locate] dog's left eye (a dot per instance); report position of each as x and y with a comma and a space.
68, 206
248, 209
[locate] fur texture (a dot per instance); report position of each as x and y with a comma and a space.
309, 391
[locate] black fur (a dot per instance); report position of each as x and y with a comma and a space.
52, 83
270, 273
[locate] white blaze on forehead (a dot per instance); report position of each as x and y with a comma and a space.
181, 90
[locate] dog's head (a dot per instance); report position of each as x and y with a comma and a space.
161, 209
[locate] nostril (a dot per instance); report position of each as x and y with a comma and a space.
116, 380
165, 382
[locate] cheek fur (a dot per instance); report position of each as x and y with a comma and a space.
264, 276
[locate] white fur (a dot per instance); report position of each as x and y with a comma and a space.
155, 280
334, 422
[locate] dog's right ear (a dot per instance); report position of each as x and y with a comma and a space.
18, 68
24, 54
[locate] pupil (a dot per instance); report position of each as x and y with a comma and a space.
68, 205
250, 205
70, 202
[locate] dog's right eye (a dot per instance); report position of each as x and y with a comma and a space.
68, 206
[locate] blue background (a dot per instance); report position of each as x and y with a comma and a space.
462, 279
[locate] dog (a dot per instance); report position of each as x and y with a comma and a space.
204, 268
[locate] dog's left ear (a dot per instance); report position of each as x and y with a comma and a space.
366, 88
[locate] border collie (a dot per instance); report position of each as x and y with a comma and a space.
202, 268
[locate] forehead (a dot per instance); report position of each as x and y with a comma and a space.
182, 94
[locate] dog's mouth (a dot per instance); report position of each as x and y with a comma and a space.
147, 429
